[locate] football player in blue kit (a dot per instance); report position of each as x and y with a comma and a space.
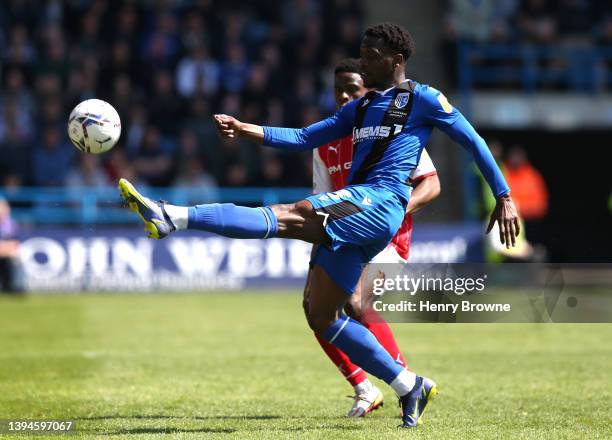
390, 126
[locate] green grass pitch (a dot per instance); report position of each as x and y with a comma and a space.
238, 365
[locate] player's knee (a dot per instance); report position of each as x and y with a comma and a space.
291, 212
299, 220
304, 209
319, 322
294, 213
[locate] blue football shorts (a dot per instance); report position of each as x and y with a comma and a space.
360, 221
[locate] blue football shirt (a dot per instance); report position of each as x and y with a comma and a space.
390, 130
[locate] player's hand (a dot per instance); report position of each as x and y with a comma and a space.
506, 215
228, 126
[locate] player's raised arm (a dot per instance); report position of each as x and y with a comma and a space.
292, 139
441, 114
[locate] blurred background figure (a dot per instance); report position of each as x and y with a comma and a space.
88, 174
10, 271
52, 159
528, 185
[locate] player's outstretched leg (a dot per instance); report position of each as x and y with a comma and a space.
297, 220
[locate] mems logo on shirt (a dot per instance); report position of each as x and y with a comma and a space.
375, 132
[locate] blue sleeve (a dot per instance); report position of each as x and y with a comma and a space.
297, 139
434, 109
462, 132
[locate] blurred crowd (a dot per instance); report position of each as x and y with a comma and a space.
166, 66
534, 21
565, 31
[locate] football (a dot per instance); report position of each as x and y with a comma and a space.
94, 126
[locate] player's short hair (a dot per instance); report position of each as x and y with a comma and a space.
394, 37
348, 65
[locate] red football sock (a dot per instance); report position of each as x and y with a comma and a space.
381, 330
349, 370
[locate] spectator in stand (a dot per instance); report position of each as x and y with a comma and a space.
123, 94
14, 152
135, 130
258, 85
198, 74
536, 21
479, 21
52, 158
237, 165
191, 160
272, 173
194, 175
15, 89
153, 161
11, 114
20, 51
161, 47
121, 64
127, 22
163, 106
54, 60
193, 31
88, 174
199, 121
235, 69
51, 111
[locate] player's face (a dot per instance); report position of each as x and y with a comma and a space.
347, 87
376, 63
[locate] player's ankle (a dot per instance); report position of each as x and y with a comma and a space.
363, 386
179, 216
403, 383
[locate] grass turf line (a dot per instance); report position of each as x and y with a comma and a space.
246, 366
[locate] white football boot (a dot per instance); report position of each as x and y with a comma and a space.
367, 398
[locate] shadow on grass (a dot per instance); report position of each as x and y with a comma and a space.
176, 430
169, 431
162, 416
143, 430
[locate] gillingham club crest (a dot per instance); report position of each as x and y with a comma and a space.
401, 100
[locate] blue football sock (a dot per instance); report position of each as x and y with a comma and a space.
362, 348
233, 221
